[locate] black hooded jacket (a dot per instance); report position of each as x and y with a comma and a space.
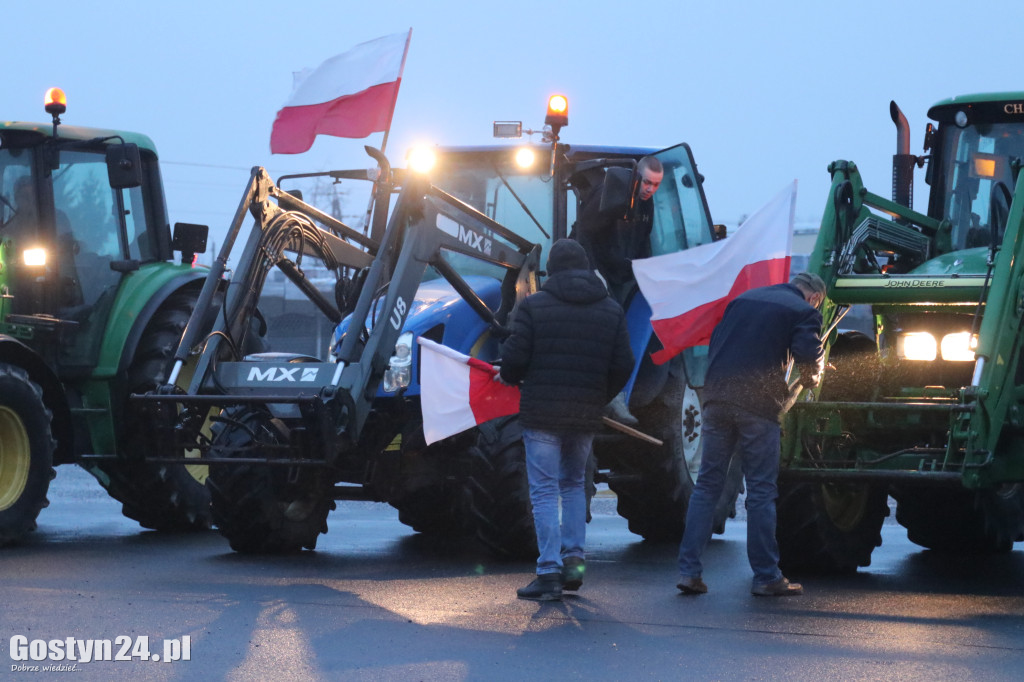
569, 348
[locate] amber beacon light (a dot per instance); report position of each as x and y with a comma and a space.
55, 102
558, 112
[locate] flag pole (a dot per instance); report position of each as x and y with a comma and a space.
391, 116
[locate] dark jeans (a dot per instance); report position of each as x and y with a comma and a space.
729, 429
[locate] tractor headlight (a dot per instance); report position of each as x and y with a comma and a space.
422, 159
954, 347
525, 158
34, 257
399, 372
916, 346
958, 347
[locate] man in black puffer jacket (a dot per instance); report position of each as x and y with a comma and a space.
569, 351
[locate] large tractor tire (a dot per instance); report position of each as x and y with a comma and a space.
166, 497
653, 484
498, 490
829, 527
426, 494
263, 509
962, 521
26, 454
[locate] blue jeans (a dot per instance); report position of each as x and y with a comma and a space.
556, 466
729, 428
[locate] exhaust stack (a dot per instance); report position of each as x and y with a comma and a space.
902, 161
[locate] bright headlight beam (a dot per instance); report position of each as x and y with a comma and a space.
917, 346
422, 159
958, 347
34, 257
525, 157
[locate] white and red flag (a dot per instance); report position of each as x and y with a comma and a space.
689, 290
458, 392
349, 95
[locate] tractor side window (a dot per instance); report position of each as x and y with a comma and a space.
978, 180
87, 229
138, 243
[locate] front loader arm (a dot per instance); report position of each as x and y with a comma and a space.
413, 241
996, 386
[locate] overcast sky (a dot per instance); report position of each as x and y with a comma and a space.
763, 92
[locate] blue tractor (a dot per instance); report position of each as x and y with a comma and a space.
462, 242
475, 482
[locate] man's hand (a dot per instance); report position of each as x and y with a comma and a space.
810, 376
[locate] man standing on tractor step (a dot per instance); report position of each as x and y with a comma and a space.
613, 242
744, 396
569, 350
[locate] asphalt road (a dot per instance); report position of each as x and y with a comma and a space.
376, 601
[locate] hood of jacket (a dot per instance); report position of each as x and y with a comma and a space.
575, 286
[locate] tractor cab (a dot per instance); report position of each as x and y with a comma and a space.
79, 209
971, 174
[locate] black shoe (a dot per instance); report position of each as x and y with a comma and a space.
573, 568
546, 587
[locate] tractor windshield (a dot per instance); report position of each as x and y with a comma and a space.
517, 194
974, 182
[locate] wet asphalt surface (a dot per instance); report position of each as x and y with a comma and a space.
377, 601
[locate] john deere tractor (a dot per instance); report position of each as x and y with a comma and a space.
930, 408
91, 308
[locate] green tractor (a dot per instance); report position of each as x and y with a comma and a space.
91, 308
930, 409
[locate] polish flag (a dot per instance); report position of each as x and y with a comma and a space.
350, 95
458, 392
689, 290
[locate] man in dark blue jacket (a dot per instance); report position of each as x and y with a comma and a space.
745, 392
569, 351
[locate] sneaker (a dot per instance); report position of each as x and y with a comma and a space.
573, 568
691, 586
618, 410
545, 587
779, 588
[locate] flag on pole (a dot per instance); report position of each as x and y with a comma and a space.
458, 392
689, 290
349, 95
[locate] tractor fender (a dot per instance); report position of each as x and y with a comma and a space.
14, 352
120, 343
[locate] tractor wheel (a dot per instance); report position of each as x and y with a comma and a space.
962, 521
167, 497
426, 496
499, 491
26, 454
264, 509
653, 484
829, 527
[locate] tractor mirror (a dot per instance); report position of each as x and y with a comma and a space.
124, 166
617, 191
190, 239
